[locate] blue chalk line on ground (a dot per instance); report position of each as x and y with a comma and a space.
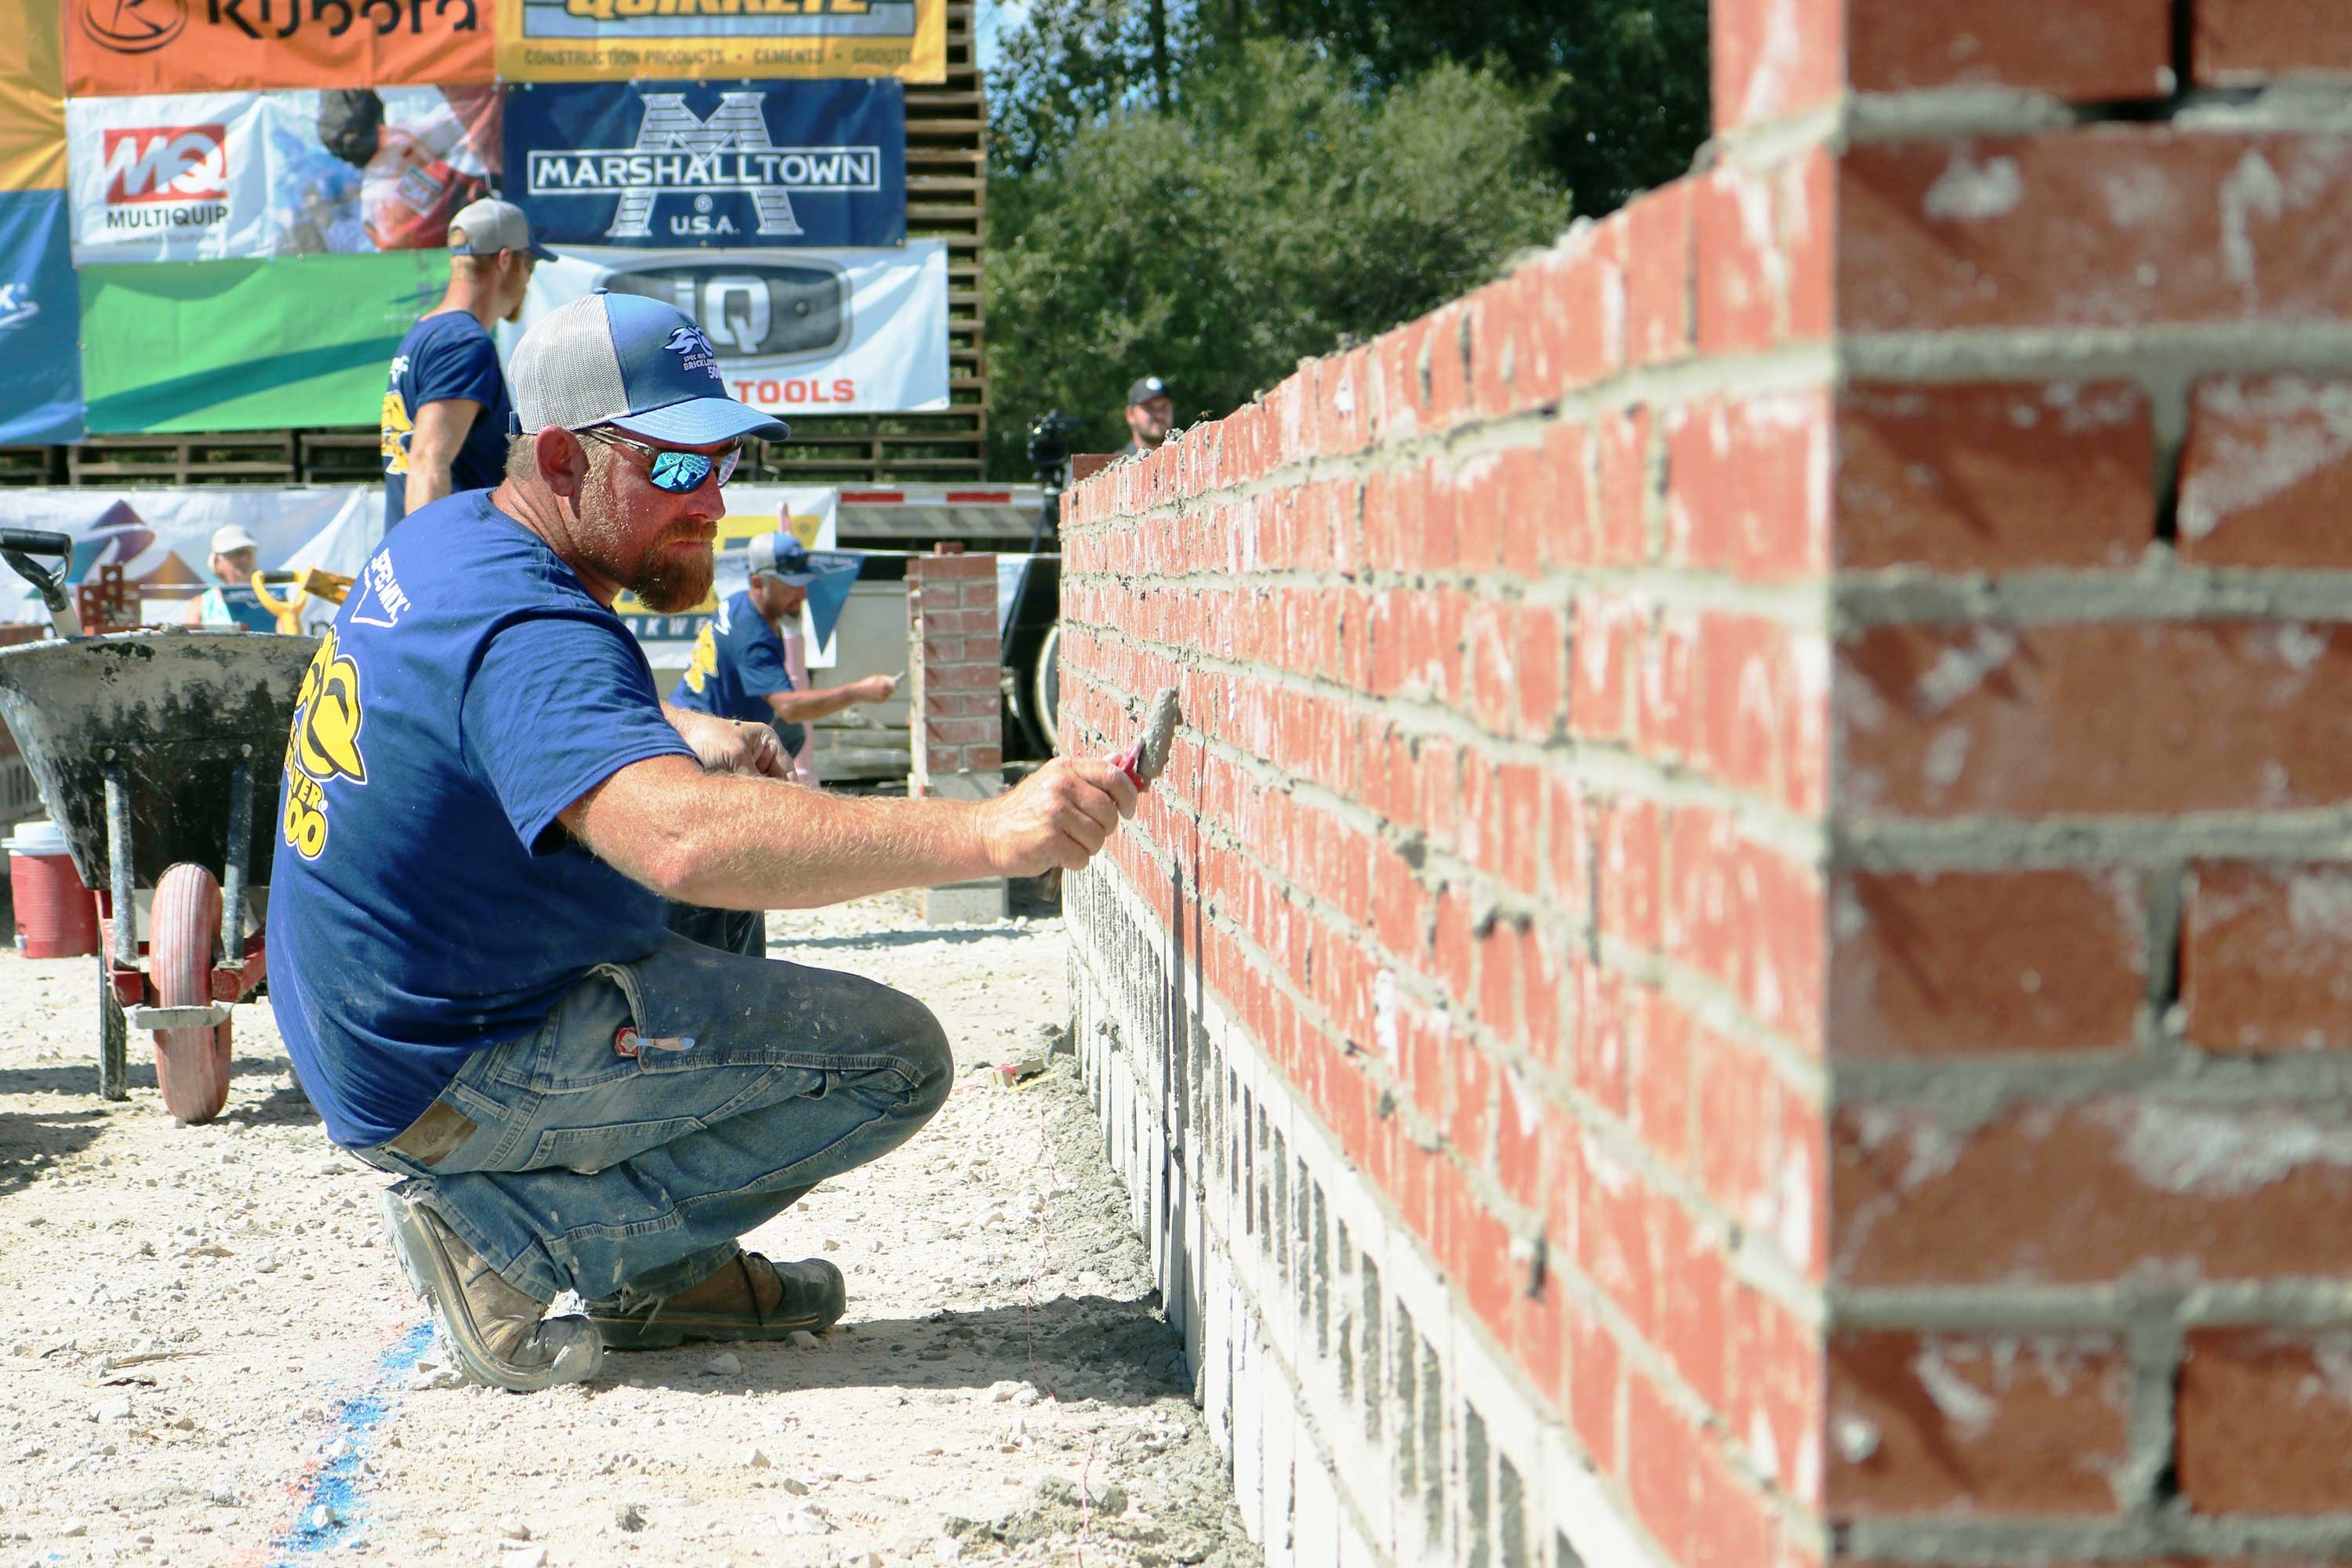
336, 1483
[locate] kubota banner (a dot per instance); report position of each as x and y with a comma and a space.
622, 40
121, 48
32, 93
209, 176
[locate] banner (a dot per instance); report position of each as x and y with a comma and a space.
798, 332
162, 538
204, 176
249, 345
32, 98
809, 511
118, 47
616, 40
728, 164
40, 395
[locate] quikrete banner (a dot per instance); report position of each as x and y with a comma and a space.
620, 40
118, 47
249, 345
797, 331
670, 164
206, 176
40, 395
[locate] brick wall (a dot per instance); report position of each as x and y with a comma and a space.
1742, 957
955, 708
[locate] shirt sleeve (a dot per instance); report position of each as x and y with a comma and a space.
558, 705
460, 366
760, 662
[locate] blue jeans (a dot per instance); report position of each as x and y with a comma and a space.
631, 1176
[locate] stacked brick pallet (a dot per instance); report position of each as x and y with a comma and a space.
1741, 957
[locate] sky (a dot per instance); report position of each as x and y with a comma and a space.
995, 18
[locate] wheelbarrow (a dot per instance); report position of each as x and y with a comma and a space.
147, 746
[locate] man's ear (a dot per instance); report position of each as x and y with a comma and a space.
562, 460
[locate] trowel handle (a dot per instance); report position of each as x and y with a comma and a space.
18, 546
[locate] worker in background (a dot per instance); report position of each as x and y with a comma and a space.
738, 671
231, 601
1149, 411
444, 403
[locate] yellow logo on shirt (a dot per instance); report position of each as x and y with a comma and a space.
705, 662
323, 744
395, 431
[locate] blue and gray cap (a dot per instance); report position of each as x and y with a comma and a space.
632, 361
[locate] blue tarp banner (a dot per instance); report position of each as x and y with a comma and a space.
681, 164
41, 322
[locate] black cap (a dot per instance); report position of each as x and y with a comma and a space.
1144, 391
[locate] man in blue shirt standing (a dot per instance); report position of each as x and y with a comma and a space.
738, 672
444, 403
485, 805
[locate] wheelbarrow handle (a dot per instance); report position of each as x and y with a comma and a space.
18, 546
36, 542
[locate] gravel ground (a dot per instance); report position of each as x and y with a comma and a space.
210, 1356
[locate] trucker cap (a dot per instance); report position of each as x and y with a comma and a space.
1144, 391
629, 361
230, 537
782, 556
492, 226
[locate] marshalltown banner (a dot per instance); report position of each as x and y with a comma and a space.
617, 40
162, 538
209, 176
121, 46
797, 331
40, 395
248, 346
661, 163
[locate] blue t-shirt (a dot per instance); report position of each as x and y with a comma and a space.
737, 660
236, 605
443, 356
424, 901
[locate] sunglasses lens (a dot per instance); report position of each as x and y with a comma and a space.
678, 473
726, 462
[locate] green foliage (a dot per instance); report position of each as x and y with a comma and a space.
1275, 211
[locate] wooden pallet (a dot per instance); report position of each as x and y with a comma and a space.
947, 198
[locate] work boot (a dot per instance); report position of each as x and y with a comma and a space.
756, 1299
500, 1336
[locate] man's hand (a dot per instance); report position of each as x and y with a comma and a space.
725, 746
873, 688
1060, 816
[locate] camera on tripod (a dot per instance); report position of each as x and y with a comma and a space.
1050, 435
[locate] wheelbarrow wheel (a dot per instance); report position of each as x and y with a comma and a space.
114, 1038
191, 1065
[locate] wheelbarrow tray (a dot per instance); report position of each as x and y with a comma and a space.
176, 710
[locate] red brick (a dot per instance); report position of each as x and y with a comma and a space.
2089, 1192
1776, 1384
1607, 638
2011, 1425
1750, 919
2116, 225
1748, 485
1808, 214
1759, 720
1994, 476
2081, 50
2266, 956
2244, 43
2264, 1421
1954, 964
1664, 1453
1595, 1395
1743, 278
1659, 255
2103, 718
1773, 58
2266, 474
1620, 448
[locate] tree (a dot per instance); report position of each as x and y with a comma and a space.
1273, 212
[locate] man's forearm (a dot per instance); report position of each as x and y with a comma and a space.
734, 842
800, 707
428, 480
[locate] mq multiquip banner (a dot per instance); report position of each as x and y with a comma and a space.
204, 176
619, 40
670, 164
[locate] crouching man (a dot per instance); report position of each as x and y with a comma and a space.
484, 805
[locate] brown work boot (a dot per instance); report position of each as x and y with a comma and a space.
500, 1336
755, 1299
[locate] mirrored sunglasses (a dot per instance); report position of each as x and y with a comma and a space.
673, 471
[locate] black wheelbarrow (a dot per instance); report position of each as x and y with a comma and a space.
147, 747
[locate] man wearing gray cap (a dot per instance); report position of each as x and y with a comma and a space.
1149, 411
485, 805
445, 404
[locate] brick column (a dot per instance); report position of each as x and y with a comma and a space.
955, 705
1743, 956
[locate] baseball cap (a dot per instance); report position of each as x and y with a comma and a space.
1144, 391
492, 226
635, 363
230, 537
782, 556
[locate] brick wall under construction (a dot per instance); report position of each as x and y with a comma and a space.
1742, 957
